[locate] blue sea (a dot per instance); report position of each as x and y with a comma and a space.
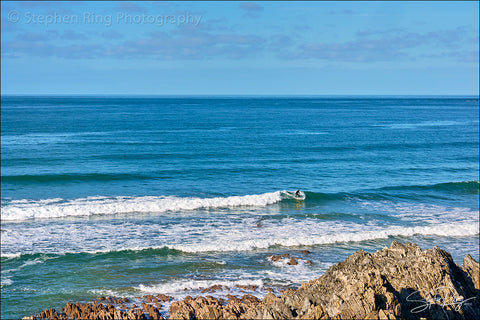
133, 195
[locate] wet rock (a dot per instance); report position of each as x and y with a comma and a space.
247, 288
213, 288
150, 298
163, 298
305, 252
292, 262
278, 257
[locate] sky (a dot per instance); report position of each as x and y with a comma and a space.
240, 48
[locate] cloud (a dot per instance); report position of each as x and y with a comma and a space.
250, 6
383, 45
72, 35
111, 35
344, 12
189, 42
188, 45
32, 36
251, 9
37, 4
129, 6
280, 41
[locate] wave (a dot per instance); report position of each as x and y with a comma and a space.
442, 230
182, 285
17, 210
466, 187
301, 234
108, 253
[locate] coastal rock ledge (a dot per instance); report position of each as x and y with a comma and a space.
399, 282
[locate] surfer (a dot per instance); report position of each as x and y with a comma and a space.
297, 193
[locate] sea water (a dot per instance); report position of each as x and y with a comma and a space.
126, 196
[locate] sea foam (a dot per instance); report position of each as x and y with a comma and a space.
18, 210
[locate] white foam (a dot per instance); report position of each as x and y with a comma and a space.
11, 255
424, 124
295, 237
422, 212
6, 281
179, 287
222, 231
18, 210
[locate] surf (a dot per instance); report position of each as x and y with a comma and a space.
18, 210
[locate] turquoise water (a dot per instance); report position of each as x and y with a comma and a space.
127, 196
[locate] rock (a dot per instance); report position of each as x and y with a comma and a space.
152, 311
278, 257
397, 282
472, 268
305, 252
248, 288
150, 298
292, 262
198, 308
249, 299
213, 288
163, 298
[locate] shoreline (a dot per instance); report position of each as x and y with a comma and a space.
398, 282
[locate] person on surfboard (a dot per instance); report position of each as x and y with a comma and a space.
297, 193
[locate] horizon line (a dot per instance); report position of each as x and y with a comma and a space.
226, 95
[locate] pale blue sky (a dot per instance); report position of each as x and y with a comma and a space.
240, 48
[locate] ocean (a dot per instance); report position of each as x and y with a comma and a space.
133, 195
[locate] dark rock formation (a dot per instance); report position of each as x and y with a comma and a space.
400, 282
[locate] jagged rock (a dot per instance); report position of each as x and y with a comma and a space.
471, 267
278, 257
248, 288
249, 299
397, 282
152, 311
150, 298
163, 298
213, 288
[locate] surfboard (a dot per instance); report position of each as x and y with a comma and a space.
300, 197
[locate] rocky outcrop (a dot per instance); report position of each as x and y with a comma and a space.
97, 310
399, 282
212, 308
